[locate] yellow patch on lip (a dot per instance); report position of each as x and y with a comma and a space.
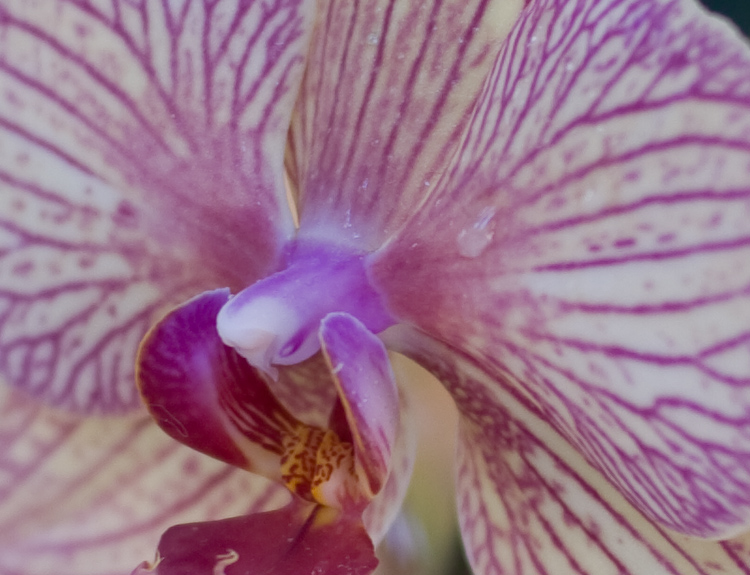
316, 465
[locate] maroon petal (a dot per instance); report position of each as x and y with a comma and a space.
205, 395
299, 538
387, 91
141, 163
591, 247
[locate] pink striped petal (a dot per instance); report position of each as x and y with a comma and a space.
368, 392
592, 247
141, 164
529, 504
91, 496
388, 89
299, 538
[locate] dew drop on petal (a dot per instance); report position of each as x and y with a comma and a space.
473, 240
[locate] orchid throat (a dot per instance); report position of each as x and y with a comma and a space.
205, 373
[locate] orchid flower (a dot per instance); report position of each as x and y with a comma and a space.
547, 206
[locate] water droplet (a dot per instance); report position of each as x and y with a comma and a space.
373, 39
472, 241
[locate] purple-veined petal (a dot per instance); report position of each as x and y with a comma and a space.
591, 247
529, 503
299, 538
142, 163
91, 496
205, 395
367, 388
387, 91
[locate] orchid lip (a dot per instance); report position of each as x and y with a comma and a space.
276, 320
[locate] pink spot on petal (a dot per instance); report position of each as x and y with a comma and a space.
665, 238
23, 268
126, 215
624, 243
86, 262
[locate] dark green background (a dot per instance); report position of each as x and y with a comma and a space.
737, 10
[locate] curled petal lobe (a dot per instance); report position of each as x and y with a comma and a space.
368, 392
384, 507
133, 135
295, 539
387, 91
589, 247
207, 396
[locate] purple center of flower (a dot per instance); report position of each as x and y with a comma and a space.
275, 321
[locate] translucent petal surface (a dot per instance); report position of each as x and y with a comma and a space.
92, 496
141, 163
529, 503
388, 88
591, 247
299, 538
